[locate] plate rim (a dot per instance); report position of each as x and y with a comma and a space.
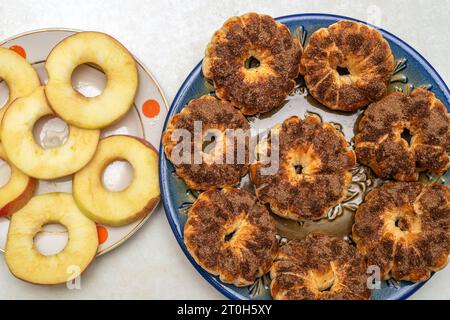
168, 208
160, 91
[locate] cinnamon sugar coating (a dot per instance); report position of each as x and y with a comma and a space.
253, 89
403, 228
354, 46
380, 144
320, 152
319, 267
230, 235
215, 169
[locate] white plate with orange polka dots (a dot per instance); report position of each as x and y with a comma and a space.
144, 120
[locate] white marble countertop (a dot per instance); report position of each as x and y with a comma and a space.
170, 37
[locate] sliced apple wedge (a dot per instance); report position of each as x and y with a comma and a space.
27, 263
23, 151
117, 64
17, 191
123, 207
19, 75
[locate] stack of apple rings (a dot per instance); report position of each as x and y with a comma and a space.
83, 155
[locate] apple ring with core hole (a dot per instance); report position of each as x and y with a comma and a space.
121, 207
25, 153
19, 75
312, 173
115, 61
403, 228
253, 62
27, 263
347, 65
402, 135
17, 191
231, 235
223, 151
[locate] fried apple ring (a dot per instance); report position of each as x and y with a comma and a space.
253, 62
230, 235
381, 144
347, 65
312, 173
403, 228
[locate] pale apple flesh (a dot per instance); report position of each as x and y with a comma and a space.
17, 191
27, 155
27, 263
123, 207
116, 62
19, 75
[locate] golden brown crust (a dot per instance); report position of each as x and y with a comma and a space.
259, 89
322, 152
217, 215
213, 114
319, 267
403, 228
357, 47
379, 143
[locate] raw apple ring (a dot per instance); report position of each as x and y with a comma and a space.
18, 74
26, 154
17, 191
122, 207
117, 64
27, 263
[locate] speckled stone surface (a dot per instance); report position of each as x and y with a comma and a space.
170, 38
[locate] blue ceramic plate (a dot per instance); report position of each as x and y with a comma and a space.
411, 70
